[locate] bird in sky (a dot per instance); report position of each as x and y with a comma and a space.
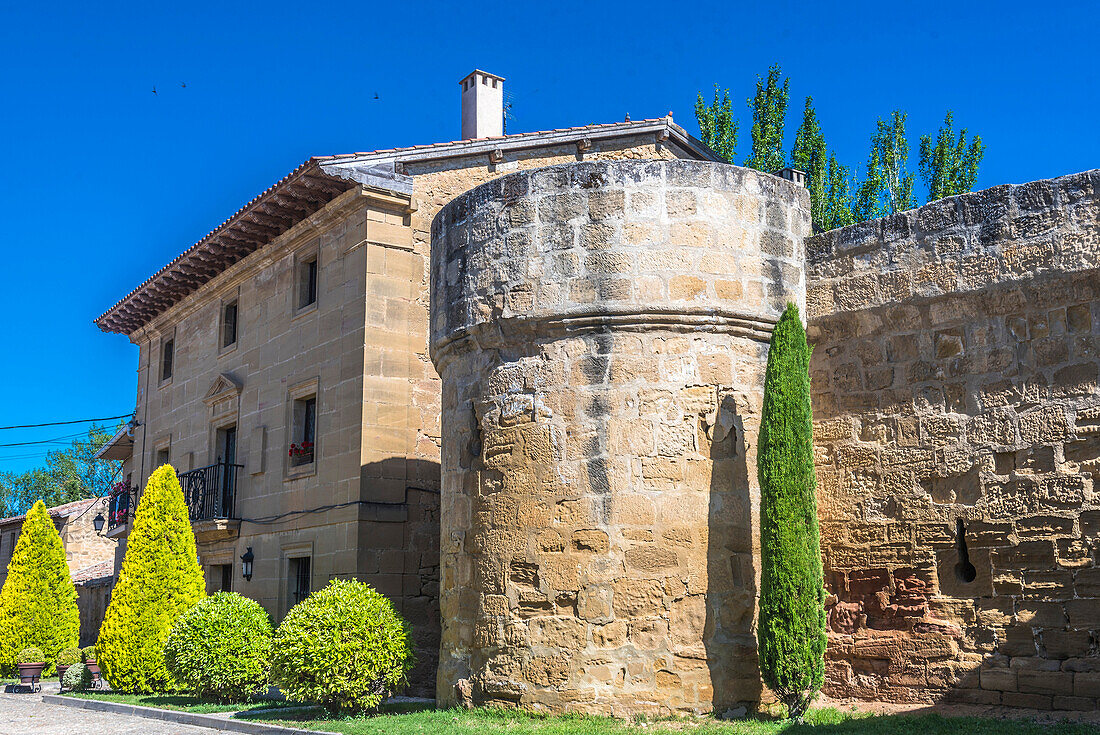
154, 90
183, 85
376, 95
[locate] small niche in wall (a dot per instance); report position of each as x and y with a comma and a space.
964, 570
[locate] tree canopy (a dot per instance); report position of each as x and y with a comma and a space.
68, 474
948, 165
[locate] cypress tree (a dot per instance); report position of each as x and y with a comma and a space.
159, 580
38, 601
791, 631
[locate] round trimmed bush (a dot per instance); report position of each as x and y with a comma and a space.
32, 655
88, 653
78, 678
343, 647
68, 657
220, 648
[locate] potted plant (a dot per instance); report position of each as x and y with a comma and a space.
65, 659
30, 661
88, 654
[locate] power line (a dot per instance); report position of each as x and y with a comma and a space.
56, 440
65, 423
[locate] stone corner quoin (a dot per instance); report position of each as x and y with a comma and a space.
601, 333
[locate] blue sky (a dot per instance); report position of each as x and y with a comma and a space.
106, 181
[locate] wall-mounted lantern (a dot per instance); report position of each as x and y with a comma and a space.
246, 564
98, 522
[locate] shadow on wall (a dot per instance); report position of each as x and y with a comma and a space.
399, 551
729, 635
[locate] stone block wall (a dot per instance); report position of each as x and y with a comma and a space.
600, 329
957, 407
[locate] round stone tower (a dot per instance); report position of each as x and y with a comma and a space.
601, 331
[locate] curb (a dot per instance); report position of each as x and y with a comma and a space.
180, 718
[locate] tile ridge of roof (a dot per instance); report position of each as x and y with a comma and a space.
509, 136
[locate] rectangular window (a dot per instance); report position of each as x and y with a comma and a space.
298, 579
219, 579
307, 281
167, 355
303, 443
162, 457
229, 324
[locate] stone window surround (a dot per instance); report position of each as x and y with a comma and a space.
311, 252
309, 388
293, 550
231, 296
162, 444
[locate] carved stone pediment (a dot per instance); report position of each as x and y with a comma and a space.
225, 386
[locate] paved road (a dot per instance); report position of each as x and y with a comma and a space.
26, 714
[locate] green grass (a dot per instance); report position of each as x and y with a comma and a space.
180, 702
491, 722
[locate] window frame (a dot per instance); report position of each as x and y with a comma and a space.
233, 302
161, 445
166, 342
308, 258
307, 392
294, 577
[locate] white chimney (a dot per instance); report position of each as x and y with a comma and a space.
482, 105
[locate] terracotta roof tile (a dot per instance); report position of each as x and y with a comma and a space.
130, 313
99, 570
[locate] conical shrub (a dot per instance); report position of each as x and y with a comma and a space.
38, 601
159, 580
791, 631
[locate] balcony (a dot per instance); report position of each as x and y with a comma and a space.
121, 502
210, 493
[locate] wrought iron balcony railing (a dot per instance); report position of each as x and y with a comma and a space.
210, 492
120, 506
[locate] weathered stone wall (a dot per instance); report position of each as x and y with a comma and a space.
957, 350
601, 330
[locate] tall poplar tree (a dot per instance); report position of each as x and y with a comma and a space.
717, 127
950, 166
887, 188
769, 115
791, 631
809, 155
159, 580
38, 601
838, 197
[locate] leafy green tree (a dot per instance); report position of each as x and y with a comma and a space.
809, 155
887, 187
69, 474
837, 210
791, 631
38, 601
950, 166
769, 115
159, 580
717, 127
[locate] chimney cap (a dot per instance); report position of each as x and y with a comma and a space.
482, 73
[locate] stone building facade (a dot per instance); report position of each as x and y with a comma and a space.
599, 315
309, 308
